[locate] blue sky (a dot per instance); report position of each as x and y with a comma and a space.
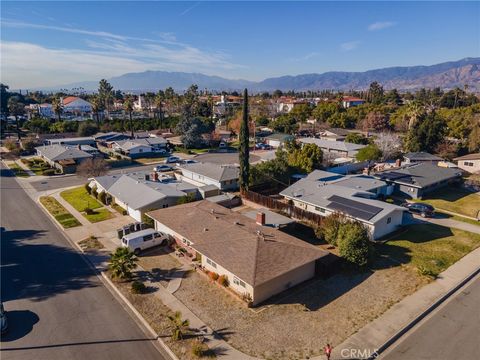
52, 43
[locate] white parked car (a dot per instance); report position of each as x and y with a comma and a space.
185, 162
172, 159
144, 239
162, 168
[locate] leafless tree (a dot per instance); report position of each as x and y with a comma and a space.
92, 167
389, 143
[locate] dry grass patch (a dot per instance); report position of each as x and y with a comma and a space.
298, 326
91, 243
155, 312
61, 214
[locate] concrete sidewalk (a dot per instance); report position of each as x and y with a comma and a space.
371, 337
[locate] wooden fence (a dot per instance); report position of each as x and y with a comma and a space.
288, 209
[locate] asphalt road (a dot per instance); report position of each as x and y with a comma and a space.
450, 333
57, 307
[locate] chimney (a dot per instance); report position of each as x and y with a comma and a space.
398, 162
260, 218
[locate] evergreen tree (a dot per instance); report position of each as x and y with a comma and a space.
244, 145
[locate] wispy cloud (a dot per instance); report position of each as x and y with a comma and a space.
380, 25
350, 45
305, 57
103, 54
187, 10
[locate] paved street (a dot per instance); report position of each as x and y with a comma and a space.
451, 332
57, 308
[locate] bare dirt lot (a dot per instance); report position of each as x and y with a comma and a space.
299, 325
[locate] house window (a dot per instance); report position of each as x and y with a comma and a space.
322, 210
239, 282
389, 220
467, 163
211, 263
140, 150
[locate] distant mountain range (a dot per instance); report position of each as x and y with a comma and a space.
446, 75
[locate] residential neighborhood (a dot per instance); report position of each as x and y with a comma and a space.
191, 193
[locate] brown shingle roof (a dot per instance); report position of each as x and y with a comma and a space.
254, 253
469, 157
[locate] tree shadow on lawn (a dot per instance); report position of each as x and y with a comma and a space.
449, 194
396, 251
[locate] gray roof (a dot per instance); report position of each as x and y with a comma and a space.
419, 175
133, 143
138, 193
332, 145
319, 188
271, 218
221, 197
61, 152
71, 140
213, 171
421, 156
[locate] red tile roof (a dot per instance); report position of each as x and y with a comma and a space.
69, 99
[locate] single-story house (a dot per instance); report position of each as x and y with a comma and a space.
334, 134
340, 148
140, 147
65, 158
141, 192
417, 180
111, 136
354, 196
421, 157
258, 261
276, 140
224, 177
469, 163
349, 101
86, 140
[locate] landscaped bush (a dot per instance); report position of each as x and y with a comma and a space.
328, 229
247, 298
88, 188
138, 287
89, 211
48, 172
102, 197
213, 275
223, 280
353, 243
94, 192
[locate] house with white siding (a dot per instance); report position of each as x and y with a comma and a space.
74, 104
224, 177
469, 163
258, 261
354, 196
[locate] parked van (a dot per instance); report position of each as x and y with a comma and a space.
144, 239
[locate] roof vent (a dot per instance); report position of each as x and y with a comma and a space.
205, 229
236, 222
212, 211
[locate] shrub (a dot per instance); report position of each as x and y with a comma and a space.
328, 229
48, 172
102, 197
353, 243
198, 348
223, 280
138, 287
247, 298
88, 188
118, 157
213, 275
89, 211
94, 192
122, 262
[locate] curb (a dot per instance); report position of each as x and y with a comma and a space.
137, 314
424, 314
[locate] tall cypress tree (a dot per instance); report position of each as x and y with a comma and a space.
244, 145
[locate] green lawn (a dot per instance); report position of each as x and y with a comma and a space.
456, 200
98, 215
151, 160
460, 218
80, 199
37, 165
66, 219
17, 170
428, 247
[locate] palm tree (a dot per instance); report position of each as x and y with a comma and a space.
16, 108
159, 98
128, 107
96, 108
179, 325
122, 262
57, 108
414, 111
105, 91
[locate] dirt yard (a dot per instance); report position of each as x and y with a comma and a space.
297, 326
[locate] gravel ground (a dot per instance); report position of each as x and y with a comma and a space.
159, 264
155, 312
300, 324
